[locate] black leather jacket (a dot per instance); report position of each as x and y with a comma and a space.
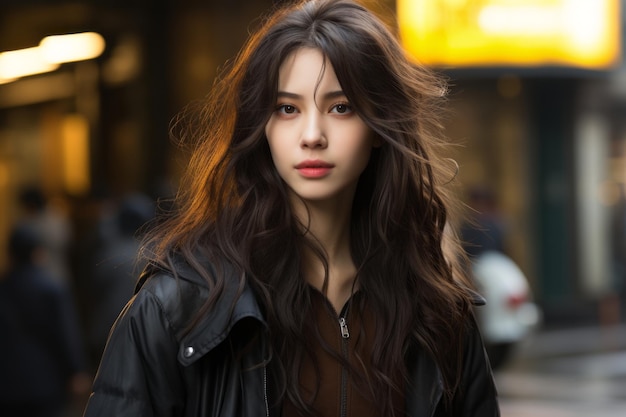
150, 367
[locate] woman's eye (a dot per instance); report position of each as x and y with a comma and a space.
286, 108
341, 108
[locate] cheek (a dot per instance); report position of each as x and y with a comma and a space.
358, 153
370, 142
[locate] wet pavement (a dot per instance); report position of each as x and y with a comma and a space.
566, 373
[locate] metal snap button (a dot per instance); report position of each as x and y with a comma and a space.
189, 351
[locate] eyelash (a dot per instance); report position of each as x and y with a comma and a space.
281, 108
348, 107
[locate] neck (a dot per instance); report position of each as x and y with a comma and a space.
328, 225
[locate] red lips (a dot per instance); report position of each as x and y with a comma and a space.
315, 163
314, 168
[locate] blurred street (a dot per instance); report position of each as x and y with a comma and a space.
536, 120
566, 373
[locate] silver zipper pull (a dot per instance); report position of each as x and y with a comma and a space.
344, 328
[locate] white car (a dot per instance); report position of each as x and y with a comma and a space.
510, 313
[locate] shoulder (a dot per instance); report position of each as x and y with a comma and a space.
178, 299
164, 303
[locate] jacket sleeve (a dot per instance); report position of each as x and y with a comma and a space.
477, 395
139, 375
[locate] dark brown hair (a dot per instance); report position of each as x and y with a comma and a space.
233, 205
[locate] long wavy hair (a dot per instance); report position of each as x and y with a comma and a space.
233, 205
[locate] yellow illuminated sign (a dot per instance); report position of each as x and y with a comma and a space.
527, 33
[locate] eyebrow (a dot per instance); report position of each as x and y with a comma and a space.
327, 96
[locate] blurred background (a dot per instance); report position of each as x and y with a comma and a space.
538, 110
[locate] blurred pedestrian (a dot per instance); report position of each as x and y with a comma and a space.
115, 267
55, 229
41, 357
485, 229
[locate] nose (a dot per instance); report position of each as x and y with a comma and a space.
313, 135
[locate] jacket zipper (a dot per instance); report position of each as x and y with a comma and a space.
267, 405
345, 335
343, 325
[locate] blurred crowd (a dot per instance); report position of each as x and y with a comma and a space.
59, 296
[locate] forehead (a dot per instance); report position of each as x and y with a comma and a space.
305, 70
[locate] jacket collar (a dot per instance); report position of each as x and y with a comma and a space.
233, 305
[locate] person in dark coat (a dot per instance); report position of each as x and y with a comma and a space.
302, 270
41, 358
115, 268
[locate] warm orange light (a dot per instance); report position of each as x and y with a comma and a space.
578, 33
23, 62
75, 136
72, 47
4, 174
51, 52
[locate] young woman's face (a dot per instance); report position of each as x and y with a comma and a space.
319, 145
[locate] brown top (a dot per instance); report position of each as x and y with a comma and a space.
338, 394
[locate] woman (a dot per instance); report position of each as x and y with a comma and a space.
303, 272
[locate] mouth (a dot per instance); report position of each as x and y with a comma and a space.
313, 164
314, 168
